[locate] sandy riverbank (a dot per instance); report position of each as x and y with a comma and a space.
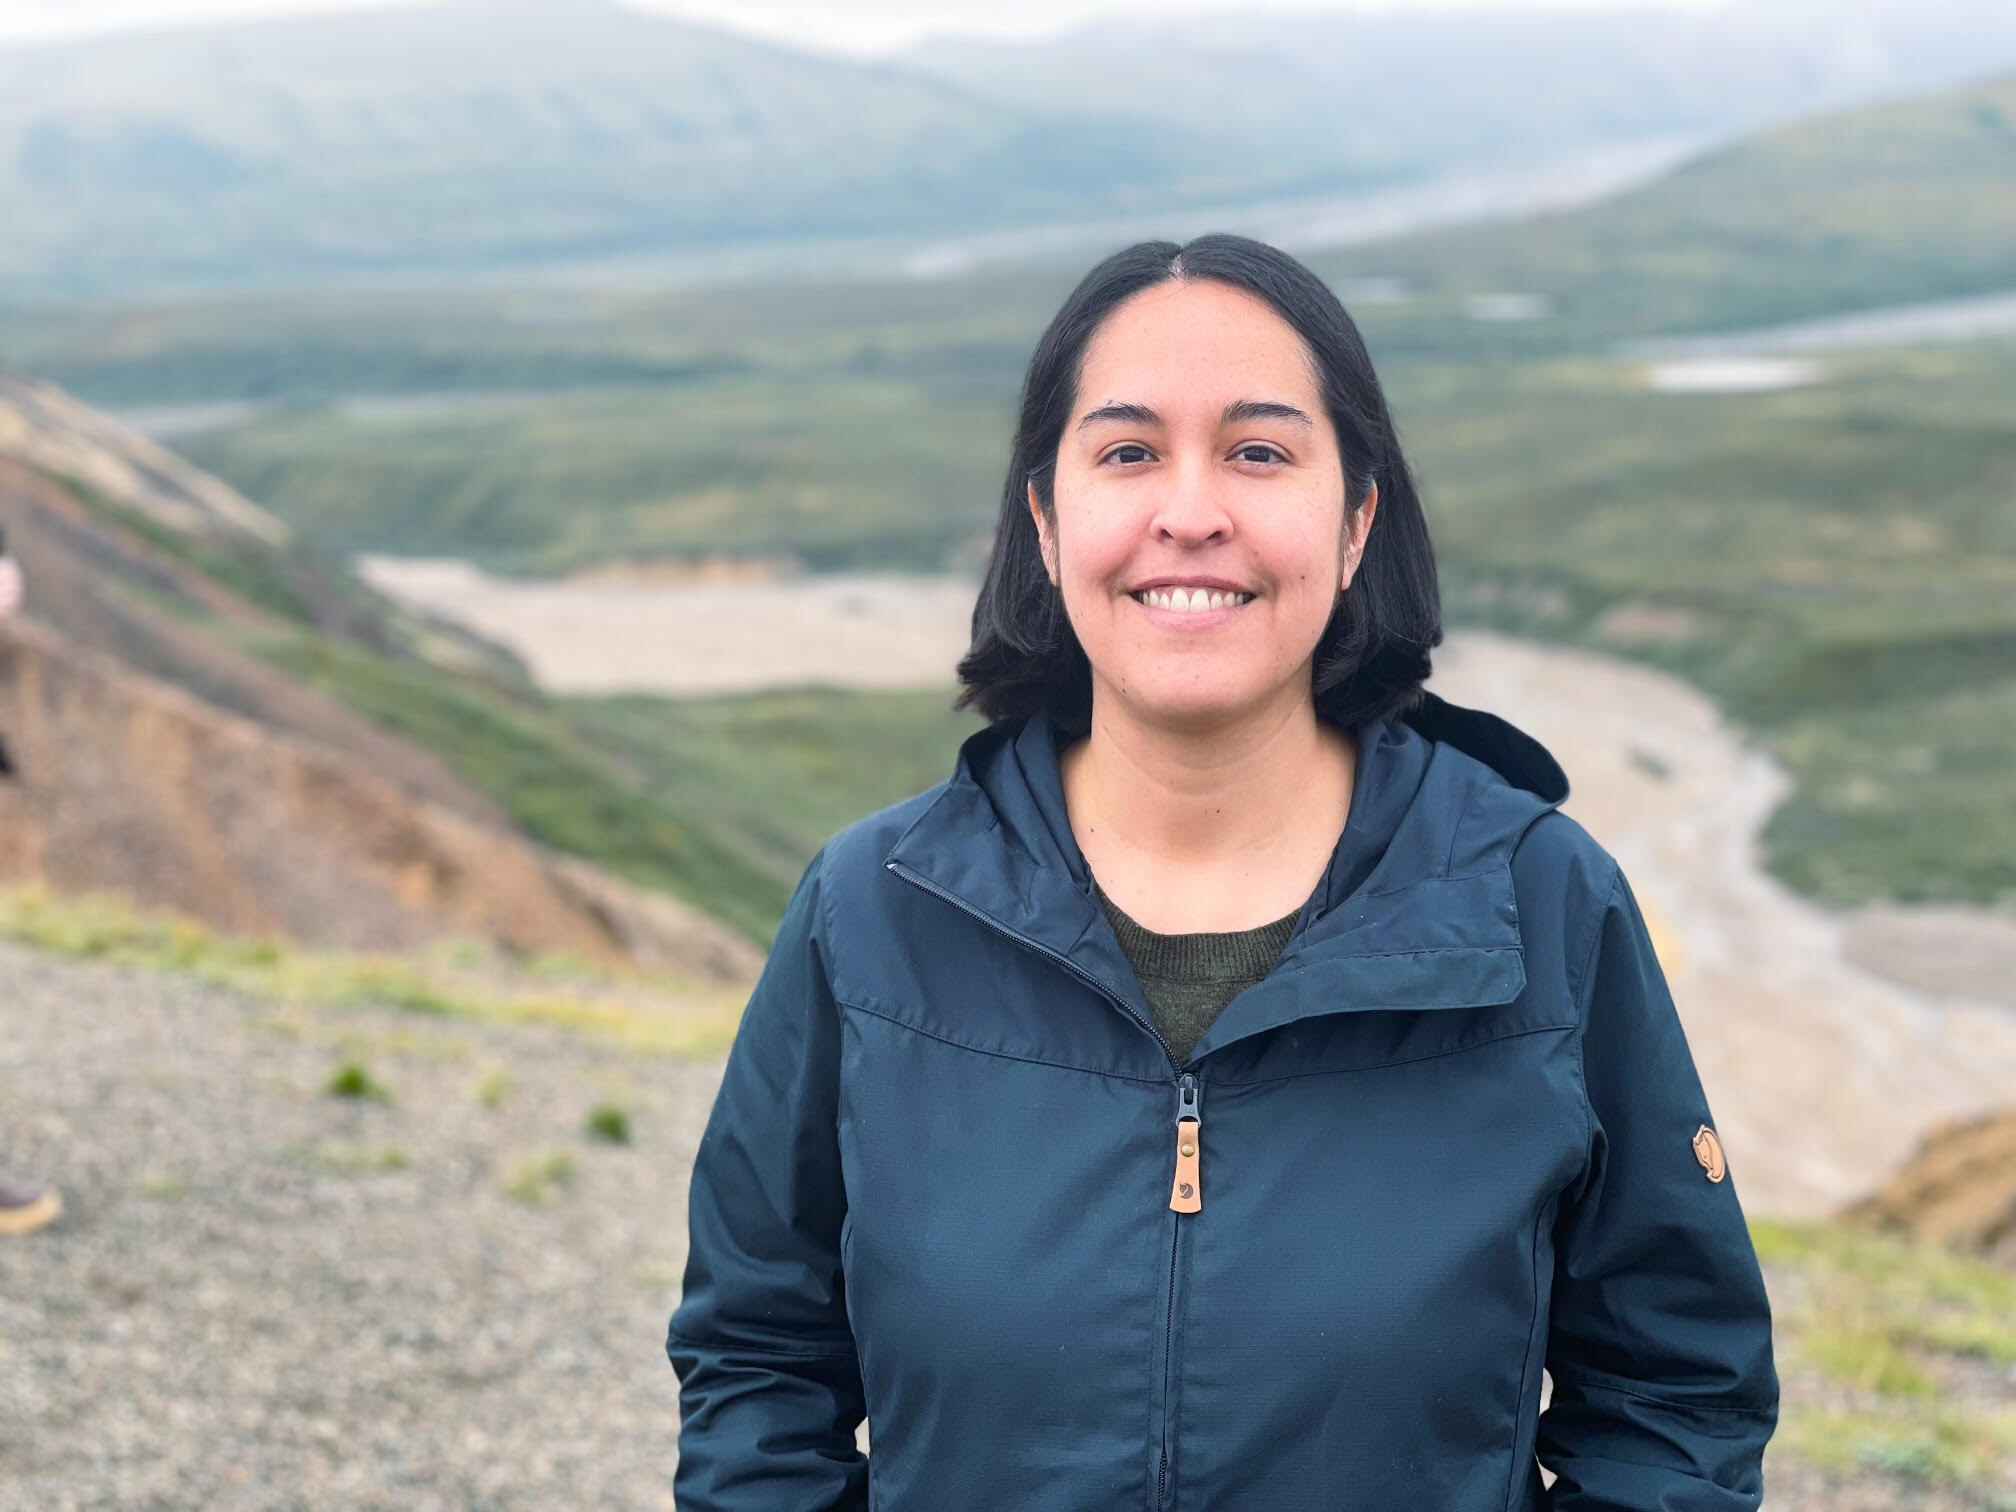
721, 633
1828, 1042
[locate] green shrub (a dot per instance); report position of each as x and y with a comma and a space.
351, 1079
535, 1181
495, 1085
610, 1124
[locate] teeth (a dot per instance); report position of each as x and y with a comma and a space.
1185, 600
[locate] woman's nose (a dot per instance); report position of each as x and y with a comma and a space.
1192, 510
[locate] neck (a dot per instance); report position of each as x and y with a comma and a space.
1198, 794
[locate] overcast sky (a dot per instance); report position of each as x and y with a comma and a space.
860, 26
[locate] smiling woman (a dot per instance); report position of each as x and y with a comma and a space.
1217, 845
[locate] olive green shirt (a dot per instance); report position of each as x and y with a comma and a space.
1189, 978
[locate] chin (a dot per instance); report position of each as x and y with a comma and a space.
1195, 707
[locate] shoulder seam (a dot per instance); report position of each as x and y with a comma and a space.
1588, 952
1583, 990
824, 934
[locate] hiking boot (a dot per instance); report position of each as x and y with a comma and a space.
25, 1206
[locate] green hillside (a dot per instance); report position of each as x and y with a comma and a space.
1889, 204
720, 801
717, 801
1835, 563
834, 469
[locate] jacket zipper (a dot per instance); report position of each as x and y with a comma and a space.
1189, 1108
1186, 1197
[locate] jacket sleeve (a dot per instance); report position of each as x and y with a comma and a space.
770, 1389
1664, 1386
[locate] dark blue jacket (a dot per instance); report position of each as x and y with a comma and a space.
1453, 1137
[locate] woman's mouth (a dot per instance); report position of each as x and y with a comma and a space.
1190, 600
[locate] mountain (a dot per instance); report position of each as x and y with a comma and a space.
517, 135
1903, 201
1647, 68
500, 132
154, 747
1381, 97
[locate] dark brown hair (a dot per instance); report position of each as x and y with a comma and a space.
1374, 652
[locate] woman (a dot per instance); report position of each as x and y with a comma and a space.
1235, 1084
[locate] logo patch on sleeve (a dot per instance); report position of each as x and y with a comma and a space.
1708, 1150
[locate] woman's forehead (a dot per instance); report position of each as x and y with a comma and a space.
1197, 346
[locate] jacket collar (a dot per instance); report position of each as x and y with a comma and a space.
1414, 911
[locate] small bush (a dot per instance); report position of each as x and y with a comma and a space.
494, 1086
610, 1124
399, 986
535, 1181
358, 1159
351, 1079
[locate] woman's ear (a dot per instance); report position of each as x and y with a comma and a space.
1358, 531
1043, 542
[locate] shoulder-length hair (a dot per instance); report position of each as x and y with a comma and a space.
1374, 652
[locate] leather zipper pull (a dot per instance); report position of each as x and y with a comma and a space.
1186, 1195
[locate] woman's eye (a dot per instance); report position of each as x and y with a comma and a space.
1128, 454
1257, 451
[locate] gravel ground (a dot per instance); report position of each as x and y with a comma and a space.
265, 1296
262, 1295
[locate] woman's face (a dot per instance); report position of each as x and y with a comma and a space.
1200, 537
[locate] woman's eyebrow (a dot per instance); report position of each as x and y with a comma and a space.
1126, 414
1235, 412
1264, 409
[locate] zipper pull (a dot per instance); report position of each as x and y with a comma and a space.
1186, 1195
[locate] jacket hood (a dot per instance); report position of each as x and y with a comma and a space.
1415, 909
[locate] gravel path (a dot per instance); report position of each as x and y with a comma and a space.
262, 1295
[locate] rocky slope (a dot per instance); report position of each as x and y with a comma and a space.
152, 754
1957, 1189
